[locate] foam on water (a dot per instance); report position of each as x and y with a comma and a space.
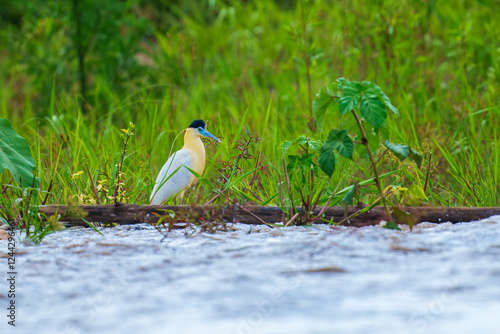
438, 279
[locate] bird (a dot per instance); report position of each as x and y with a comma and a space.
174, 176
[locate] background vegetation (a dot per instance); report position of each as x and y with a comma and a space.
73, 74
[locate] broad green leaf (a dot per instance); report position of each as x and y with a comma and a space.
306, 163
306, 159
322, 102
315, 145
327, 161
15, 155
302, 140
370, 89
339, 140
373, 110
286, 145
415, 156
388, 103
350, 97
401, 151
302, 163
347, 103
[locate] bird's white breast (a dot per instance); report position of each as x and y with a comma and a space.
167, 184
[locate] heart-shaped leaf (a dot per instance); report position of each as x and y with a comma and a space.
327, 161
340, 140
373, 110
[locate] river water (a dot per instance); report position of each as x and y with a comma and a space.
440, 278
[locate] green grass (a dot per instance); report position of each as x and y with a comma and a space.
245, 64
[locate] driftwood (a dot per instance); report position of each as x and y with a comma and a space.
135, 214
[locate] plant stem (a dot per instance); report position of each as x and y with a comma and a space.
373, 162
428, 170
119, 173
48, 192
292, 208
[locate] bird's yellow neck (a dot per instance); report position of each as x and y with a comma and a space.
195, 147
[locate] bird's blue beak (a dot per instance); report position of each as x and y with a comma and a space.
207, 134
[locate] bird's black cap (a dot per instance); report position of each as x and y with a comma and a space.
197, 123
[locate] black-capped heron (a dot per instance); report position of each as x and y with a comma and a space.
174, 177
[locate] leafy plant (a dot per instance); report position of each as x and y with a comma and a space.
368, 105
15, 155
19, 203
301, 177
159, 82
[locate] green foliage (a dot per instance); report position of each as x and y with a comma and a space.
305, 142
371, 99
19, 206
352, 95
402, 151
327, 161
323, 102
305, 162
163, 64
372, 102
302, 163
373, 110
337, 140
15, 155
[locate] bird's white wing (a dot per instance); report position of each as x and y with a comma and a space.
167, 184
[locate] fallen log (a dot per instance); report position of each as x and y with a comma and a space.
134, 214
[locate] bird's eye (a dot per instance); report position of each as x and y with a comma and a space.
201, 129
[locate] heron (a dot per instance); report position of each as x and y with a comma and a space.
175, 175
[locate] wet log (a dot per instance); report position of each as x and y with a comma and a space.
134, 214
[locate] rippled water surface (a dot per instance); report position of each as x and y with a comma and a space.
438, 279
